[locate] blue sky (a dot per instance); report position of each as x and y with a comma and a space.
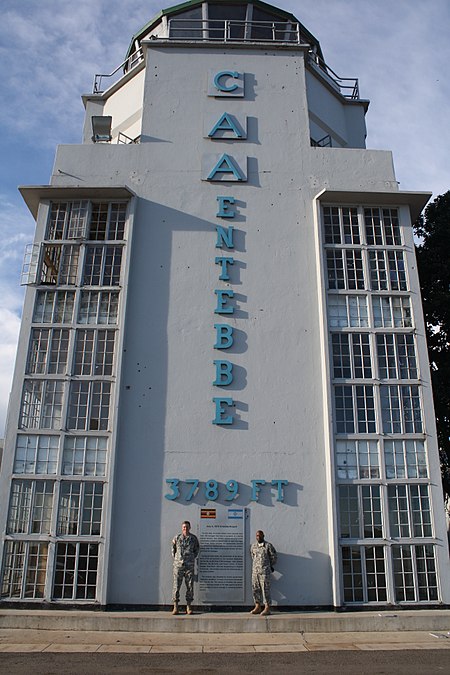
51, 49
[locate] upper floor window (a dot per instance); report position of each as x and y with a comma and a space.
341, 225
54, 307
83, 219
382, 227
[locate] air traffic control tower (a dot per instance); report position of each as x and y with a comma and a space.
223, 324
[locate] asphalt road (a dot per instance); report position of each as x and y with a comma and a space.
412, 662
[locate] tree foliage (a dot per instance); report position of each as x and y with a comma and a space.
433, 258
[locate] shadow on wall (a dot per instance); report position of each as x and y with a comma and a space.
136, 533
296, 578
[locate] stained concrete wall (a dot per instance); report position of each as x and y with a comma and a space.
166, 409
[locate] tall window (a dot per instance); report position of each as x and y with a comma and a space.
355, 409
387, 270
396, 356
54, 307
89, 405
400, 409
102, 266
351, 355
347, 311
409, 511
360, 512
382, 227
24, 569
76, 571
48, 351
67, 220
107, 221
405, 459
80, 508
391, 311
415, 573
357, 459
98, 307
341, 225
94, 352
345, 269
364, 574
36, 454
42, 404
84, 456
59, 264
30, 507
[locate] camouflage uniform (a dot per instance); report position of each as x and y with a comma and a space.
264, 558
184, 552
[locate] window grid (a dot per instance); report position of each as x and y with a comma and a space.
84, 456
60, 264
80, 508
341, 225
387, 270
94, 352
357, 459
396, 356
30, 507
102, 266
409, 511
382, 227
345, 269
36, 454
347, 311
48, 351
54, 307
364, 574
400, 409
98, 307
391, 311
360, 512
42, 404
405, 459
351, 355
76, 571
89, 405
355, 409
24, 569
415, 575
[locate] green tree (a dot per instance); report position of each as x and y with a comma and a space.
433, 258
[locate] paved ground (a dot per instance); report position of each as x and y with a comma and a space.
421, 662
53, 641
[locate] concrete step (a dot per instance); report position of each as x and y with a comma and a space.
233, 622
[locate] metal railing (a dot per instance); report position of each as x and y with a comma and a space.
232, 30
130, 63
123, 139
324, 142
347, 86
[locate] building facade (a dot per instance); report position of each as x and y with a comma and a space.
223, 323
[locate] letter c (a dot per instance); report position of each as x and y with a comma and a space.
226, 73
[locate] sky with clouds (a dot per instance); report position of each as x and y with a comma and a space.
51, 49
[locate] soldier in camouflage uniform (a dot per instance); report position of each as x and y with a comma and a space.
185, 549
264, 558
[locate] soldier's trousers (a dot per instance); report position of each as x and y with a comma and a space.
261, 588
181, 572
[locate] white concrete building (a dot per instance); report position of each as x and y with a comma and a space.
223, 324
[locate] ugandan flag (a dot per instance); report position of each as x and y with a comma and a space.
207, 513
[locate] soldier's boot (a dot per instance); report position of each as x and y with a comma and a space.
257, 609
175, 609
189, 609
266, 610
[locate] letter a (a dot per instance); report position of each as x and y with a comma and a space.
227, 164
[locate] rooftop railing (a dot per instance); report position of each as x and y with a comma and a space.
233, 31
129, 64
